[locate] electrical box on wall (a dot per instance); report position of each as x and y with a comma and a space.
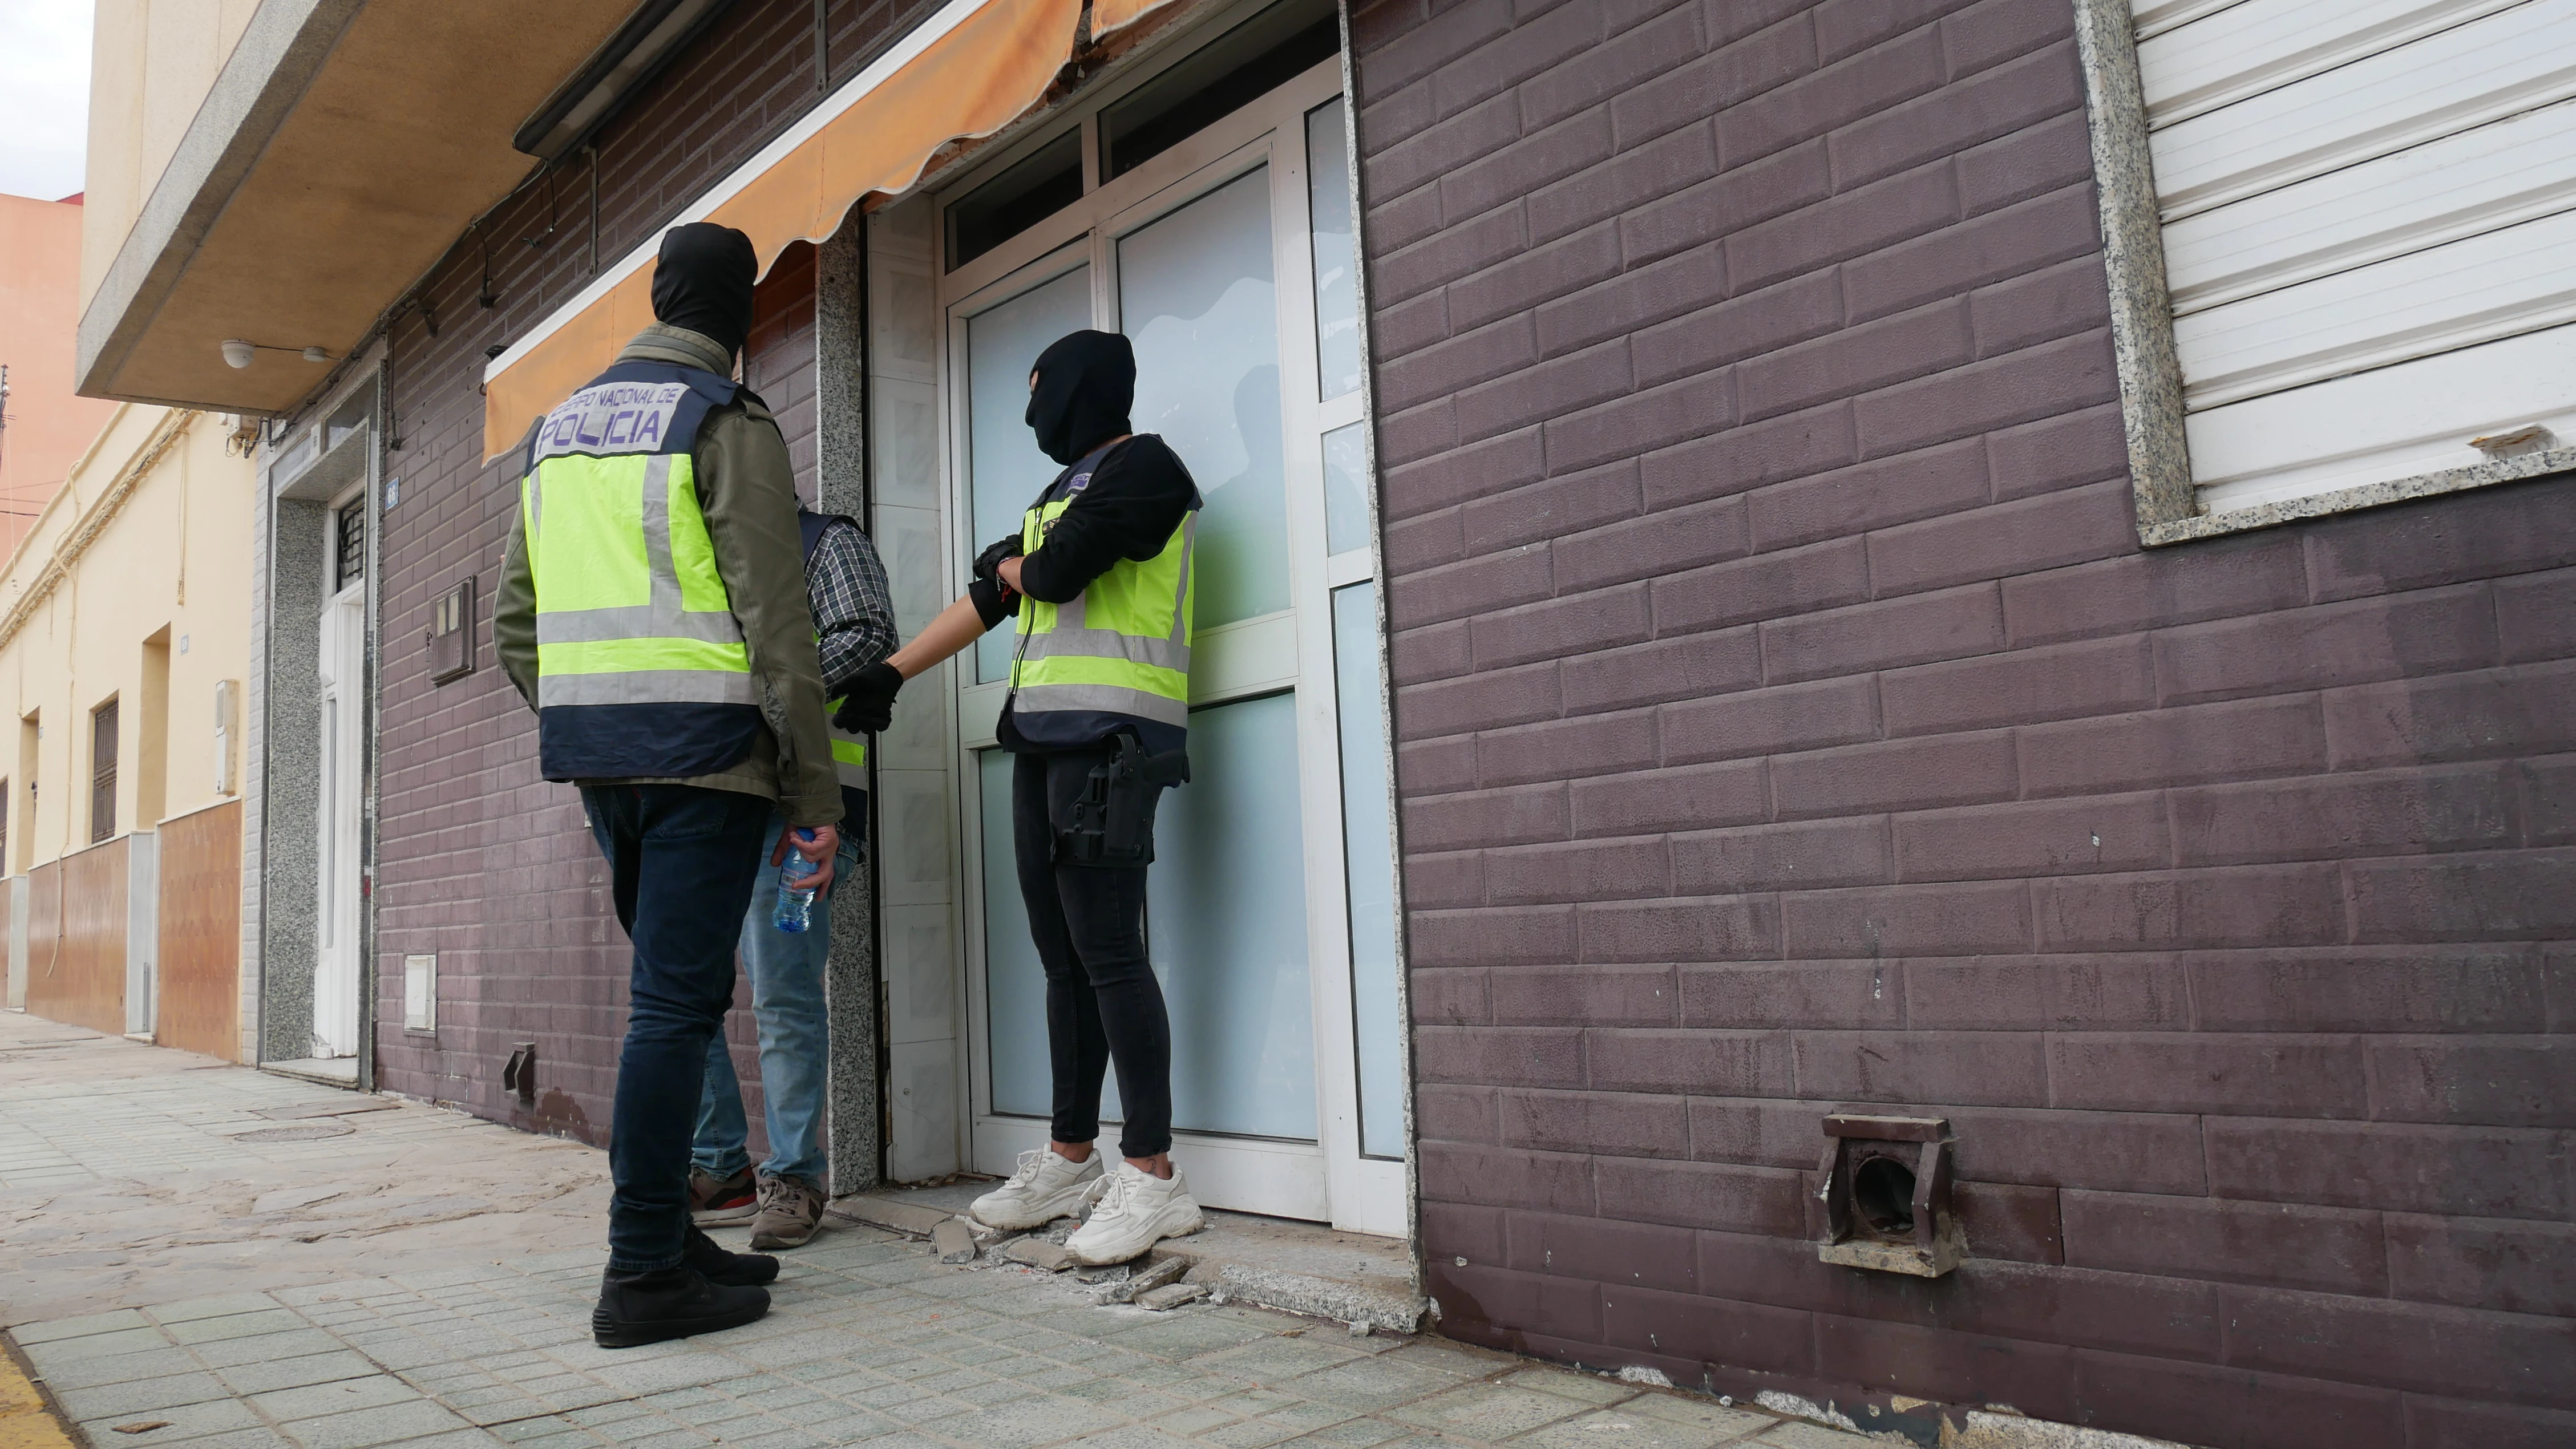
1887, 1195
451, 634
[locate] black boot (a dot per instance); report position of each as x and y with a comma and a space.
726, 1270
640, 1308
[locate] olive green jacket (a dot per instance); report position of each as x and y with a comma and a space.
747, 490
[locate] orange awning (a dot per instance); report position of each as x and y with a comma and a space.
983, 74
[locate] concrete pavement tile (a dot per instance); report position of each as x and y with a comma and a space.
294, 1373
187, 1422
385, 1424
1795, 1435
118, 1368
655, 1375
672, 1438
1130, 1436
261, 1437
785, 1439
251, 1324
1193, 1419
296, 1343
1188, 1335
1370, 1384
1569, 1384
189, 1309
312, 1401
1485, 1410
108, 1343
1272, 1359
1689, 1409
1440, 1358
1623, 1427
1354, 1434
558, 1437
31, 1334
161, 1391
1248, 1434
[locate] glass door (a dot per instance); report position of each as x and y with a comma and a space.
1225, 258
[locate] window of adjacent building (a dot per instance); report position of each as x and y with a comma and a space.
102, 772
31, 734
1246, 62
2368, 211
4, 821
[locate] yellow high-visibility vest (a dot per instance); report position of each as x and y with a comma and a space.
641, 668
1121, 646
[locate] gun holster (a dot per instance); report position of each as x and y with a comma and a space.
1112, 820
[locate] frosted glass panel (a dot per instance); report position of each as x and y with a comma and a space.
1015, 985
1346, 500
1369, 858
1227, 908
1198, 300
1005, 469
1337, 294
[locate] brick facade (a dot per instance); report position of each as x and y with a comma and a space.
479, 859
1789, 719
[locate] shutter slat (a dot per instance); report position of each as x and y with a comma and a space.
2397, 422
2471, 291
2512, 61
2250, 49
2498, 175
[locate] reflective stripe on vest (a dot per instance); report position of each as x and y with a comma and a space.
1121, 646
630, 607
849, 751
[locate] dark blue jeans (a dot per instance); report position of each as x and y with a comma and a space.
681, 862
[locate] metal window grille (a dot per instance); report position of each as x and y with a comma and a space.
349, 562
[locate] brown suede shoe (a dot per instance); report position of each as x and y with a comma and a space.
715, 1201
790, 1210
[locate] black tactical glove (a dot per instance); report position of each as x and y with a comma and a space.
868, 709
988, 564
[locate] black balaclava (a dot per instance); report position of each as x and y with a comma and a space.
1086, 384
702, 281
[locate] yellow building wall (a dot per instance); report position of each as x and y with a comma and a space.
98, 584
152, 63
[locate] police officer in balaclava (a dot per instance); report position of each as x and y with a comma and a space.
1099, 580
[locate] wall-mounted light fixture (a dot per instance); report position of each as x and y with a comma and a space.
649, 40
238, 354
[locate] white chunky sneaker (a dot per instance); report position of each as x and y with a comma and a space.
1137, 1211
1045, 1187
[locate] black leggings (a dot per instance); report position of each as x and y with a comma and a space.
1103, 1003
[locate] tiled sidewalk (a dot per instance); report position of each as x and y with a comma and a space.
872, 1341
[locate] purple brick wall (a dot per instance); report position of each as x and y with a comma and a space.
1788, 720
480, 860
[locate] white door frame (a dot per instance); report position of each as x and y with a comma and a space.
1327, 1178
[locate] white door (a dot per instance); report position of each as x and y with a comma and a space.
342, 806
1226, 259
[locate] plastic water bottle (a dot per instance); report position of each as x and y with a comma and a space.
795, 911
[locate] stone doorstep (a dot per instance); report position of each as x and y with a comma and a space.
1264, 1285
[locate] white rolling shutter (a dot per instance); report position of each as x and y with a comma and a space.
2369, 213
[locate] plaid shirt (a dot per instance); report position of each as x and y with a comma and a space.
853, 607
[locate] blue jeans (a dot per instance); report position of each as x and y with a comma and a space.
681, 863
795, 1036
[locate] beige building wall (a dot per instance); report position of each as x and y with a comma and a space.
134, 587
152, 62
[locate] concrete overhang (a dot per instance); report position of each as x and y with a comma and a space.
345, 146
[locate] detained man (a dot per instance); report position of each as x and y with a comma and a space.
854, 627
688, 719
1099, 578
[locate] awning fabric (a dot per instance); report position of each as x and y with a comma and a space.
980, 76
